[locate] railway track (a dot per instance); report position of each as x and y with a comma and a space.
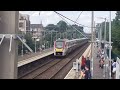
52, 72
65, 69
40, 70
53, 68
28, 68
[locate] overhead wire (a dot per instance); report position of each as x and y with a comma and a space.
71, 25
72, 20
78, 16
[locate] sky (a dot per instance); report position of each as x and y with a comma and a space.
50, 17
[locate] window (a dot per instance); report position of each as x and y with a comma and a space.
21, 25
59, 44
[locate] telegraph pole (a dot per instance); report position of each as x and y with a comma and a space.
105, 38
94, 32
44, 40
66, 34
60, 35
100, 34
92, 25
22, 44
35, 45
104, 46
105, 31
110, 42
51, 40
56, 35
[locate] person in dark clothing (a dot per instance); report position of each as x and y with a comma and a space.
87, 73
111, 69
88, 62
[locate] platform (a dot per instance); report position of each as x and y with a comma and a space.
71, 74
98, 73
35, 56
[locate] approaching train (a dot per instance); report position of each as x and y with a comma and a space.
62, 47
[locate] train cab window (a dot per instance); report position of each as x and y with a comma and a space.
59, 44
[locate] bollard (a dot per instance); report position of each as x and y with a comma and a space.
76, 67
104, 70
91, 65
107, 72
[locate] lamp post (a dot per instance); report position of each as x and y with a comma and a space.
22, 45
35, 45
51, 40
104, 27
56, 35
35, 42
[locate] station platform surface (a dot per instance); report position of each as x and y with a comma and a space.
98, 73
34, 56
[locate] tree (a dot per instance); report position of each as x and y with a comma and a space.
50, 27
78, 28
117, 15
115, 33
62, 26
29, 42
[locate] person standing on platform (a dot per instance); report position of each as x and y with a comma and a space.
102, 53
88, 62
83, 61
114, 69
87, 73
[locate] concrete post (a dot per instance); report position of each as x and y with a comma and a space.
8, 60
100, 34
110, 42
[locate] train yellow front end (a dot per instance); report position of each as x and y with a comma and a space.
59, 48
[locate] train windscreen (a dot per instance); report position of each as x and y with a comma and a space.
59, 44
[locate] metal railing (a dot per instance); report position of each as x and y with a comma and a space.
117, 69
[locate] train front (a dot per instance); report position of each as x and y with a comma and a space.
59, 48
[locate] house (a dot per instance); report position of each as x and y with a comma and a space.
24, 22
37, 30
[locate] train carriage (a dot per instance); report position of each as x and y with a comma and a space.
62, 47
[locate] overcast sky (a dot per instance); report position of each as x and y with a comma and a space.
50, 17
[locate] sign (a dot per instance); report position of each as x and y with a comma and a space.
74, 65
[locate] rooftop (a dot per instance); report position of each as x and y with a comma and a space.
36, 26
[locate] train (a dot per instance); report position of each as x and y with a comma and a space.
63, 47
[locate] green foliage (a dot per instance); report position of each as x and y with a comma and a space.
62, 26
50, 27
115, 33
63, 31
29, 42
78, 28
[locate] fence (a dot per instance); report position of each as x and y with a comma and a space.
117, 68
